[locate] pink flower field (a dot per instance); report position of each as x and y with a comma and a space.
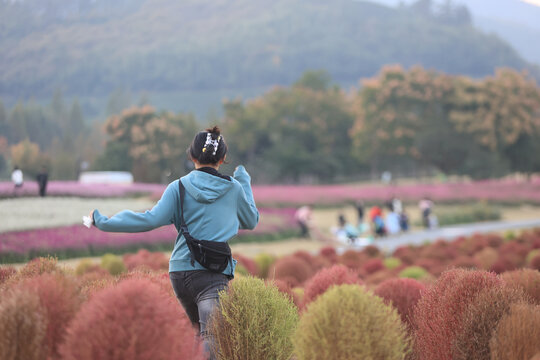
505, 191
77, 240
74, 188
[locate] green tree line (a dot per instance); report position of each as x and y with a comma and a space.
53, 135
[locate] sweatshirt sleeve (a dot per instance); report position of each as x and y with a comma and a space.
247, 210
163, 213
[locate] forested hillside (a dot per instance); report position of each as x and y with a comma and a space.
90, 47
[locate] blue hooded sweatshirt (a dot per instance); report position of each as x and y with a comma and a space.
214, 209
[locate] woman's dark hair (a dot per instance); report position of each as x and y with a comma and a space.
203, 147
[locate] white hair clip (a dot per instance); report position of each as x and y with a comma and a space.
210, 141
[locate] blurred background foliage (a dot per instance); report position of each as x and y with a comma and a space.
124, 85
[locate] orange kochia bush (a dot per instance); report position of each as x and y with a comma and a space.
480, 320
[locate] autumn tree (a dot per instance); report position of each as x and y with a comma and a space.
456, 124
502, 114
150, 145
28, 157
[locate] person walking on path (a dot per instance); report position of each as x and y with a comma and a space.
426, 206
17, 178
42, 179
203, 205
303, 219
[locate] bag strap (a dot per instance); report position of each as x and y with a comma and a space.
183, 226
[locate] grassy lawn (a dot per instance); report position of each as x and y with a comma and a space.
37, 213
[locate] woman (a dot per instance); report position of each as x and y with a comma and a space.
214, 206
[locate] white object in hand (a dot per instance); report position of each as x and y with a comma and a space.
87, 221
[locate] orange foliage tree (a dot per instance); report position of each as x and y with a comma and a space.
149, 144
453, 123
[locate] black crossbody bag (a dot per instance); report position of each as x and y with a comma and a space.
213, 255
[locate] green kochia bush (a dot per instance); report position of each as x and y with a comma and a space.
113, 264
413, 272
348, 322
253, 321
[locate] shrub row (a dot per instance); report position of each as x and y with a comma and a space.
358, 304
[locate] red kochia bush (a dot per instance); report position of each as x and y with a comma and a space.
480, 319
152, 260
407, 254
290, 269
325, 278
526, 279
503, 264
437, 316
535, 262
22, 326
352, 259
60, 300
403, 294
133, 320
372, 266
329, 253
285, 289
6, 272
249, 264
371, 251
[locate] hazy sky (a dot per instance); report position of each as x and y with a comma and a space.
526, 12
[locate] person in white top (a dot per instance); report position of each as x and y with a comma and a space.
17, 178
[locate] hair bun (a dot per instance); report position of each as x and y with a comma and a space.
214, 131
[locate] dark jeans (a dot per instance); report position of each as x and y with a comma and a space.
198, 292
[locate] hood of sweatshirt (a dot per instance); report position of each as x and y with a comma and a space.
206, 188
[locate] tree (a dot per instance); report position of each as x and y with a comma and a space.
459, 125
293, 134
28, 157
150, 145
76, 120
400, 115
4, 126
318, 80
502, 114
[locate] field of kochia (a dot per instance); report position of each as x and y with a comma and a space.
472, 298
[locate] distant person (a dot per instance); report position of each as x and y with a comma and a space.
386, 177
345, 232
397, 206
360, 211
433, 221
17, 178
391, 223
425, 206
404, 221
303, 219
42, 179
376, 217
